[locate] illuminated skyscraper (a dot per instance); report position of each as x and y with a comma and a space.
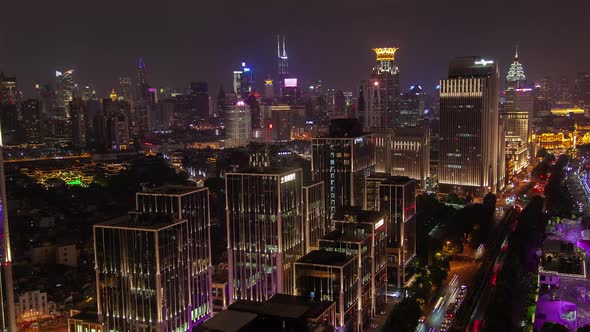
143, 268
469, 155
238, 124
381, 92
342, 160
32, 120
8, 91
517, 113
282, 59
125, 85
265, 231
192, 204
410, 154
64, 87
7, 319
582, 90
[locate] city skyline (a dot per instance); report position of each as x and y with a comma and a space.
182, 49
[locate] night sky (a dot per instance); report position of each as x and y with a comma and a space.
187, 40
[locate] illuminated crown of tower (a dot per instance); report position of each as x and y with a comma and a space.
386, 59
516, 72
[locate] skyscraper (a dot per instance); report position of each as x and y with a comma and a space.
282, 59
8, 90
192, 204
410, 154
264, 208
411, 110
125, 85
582, 90
382, 92
238, 124
343, 159
64, 87
7, 319
32, 120
469, 157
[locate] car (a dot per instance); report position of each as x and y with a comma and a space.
422, 319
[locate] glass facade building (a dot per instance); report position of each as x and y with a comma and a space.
330, 276
316, 222
142, 265
192, 204
470, 160
265, 231
343, 160
397, 201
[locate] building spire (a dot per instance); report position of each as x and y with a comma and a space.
284, 48
516, 71
278, 46
141, 65
516, 52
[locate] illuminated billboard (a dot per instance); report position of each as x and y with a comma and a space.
290, 82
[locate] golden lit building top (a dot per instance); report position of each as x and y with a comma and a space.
113, 95
385, 53
563, 111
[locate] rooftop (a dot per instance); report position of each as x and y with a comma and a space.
398, 180
229, 321
346, 236
265, 170
172, 190
356, 214
329, 258
89, 317
152, 221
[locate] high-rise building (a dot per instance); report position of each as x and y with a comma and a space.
582, 90
280, 123
78, 121
342, 160
397, 201
142, 264
383, 140
362, 234
469, 155
7, 308
517, 111
410, 154
32, 121
190, 204
382, 92
238, 127
8, 90
282, 60
265, 231
327, 275
269, 89
126, 88
563, 93
315, 220
64, 89
411, 110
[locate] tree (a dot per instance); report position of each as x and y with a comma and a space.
404, 316
554, 327
584, 329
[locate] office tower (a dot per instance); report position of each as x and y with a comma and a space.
411, 110
7, 319
238, 82
342, 160
264, 231
164, 120
333, 276
410, 154
363, 234
125, 86
86, 92
314, 213
383, 139
469, 154
9, 123
32, 121
397, 201
382, 92
280, 123
247, 83
145, 102
339, 104
199, 92
141, 80
116, 123
517, 116
238, 127
64, 87
582, 90
8, 90
269, 89
78, 122
192, 204
563, 93
142, 273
